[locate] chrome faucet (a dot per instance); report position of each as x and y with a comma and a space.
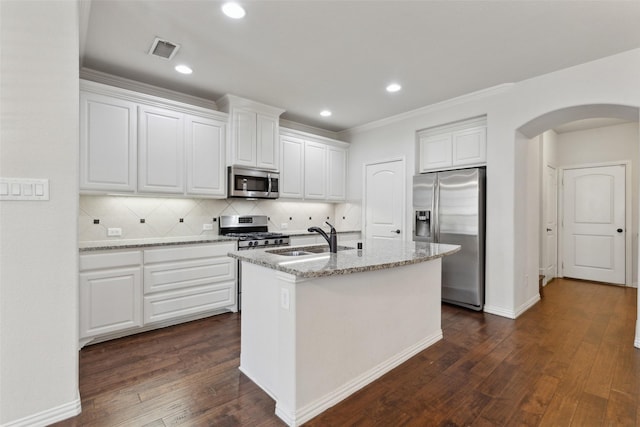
332, 238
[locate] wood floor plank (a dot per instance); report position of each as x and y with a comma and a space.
567, 361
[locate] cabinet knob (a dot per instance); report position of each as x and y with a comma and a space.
396, 231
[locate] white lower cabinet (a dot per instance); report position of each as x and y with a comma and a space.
123, 292
110, 292
181, 281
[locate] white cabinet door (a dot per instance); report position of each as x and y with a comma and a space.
435, 152
110, 301
267, 143
315, 170
292, 167
243, 137
205, 144
470, 146
161, 150
337, 173
108, 132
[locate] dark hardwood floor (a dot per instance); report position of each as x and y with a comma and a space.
568, 361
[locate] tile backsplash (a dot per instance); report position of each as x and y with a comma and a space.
151, 217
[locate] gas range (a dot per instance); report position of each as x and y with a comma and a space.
251, 231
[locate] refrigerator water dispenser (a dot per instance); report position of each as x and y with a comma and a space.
422, 226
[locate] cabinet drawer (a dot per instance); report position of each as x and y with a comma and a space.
169, 305
110, 260
178, 275
188, 252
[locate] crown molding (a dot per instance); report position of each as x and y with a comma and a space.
135, 86
308, 129
345, 134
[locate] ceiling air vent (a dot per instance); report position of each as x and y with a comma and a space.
163, 48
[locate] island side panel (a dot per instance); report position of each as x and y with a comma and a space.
351, 329
259, 327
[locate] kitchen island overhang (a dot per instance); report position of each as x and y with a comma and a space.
317, 328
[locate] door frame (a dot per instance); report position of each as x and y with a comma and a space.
403, 164
628, 265
543, 232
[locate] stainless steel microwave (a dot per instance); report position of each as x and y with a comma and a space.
252, 183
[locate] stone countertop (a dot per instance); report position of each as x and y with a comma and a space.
297, 233
100, 245
375, 255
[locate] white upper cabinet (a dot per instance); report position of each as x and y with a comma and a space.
315, 170
137, 143
312, 167
267, 143
205, 142
108, 129
451, 146
254, 132
292, 167
161, 150
470, 146
337, 173
435, 152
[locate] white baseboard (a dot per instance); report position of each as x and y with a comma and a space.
527, 305
636, 342
499, 311
511, 314
49, 416
304, 414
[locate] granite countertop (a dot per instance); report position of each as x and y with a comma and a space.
100, 245
296, 233
375, 255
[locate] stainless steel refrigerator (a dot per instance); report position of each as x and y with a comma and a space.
449, 207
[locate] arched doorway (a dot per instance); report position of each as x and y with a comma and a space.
533, 131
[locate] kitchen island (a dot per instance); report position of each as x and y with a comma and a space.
316, 327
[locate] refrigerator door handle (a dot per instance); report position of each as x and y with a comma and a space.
435, 221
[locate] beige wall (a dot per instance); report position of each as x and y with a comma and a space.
38, 239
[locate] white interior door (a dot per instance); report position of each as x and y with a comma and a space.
384, 200
594, 224
551, 224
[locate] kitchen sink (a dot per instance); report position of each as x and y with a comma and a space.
306, 250
322, 249
289, 252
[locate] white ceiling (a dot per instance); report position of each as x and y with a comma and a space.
305, 56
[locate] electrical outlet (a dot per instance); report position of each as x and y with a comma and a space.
207, 227
284, 298
284, 225
114, 232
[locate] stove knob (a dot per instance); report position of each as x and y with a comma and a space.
266, 242
280, 241
256, 243
250, 244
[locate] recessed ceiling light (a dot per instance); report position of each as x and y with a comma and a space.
183, 69
325, 113
394, 87
233, 10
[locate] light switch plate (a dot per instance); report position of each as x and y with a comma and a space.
19, 189
207, 227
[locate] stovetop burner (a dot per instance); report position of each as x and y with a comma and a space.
251, 231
